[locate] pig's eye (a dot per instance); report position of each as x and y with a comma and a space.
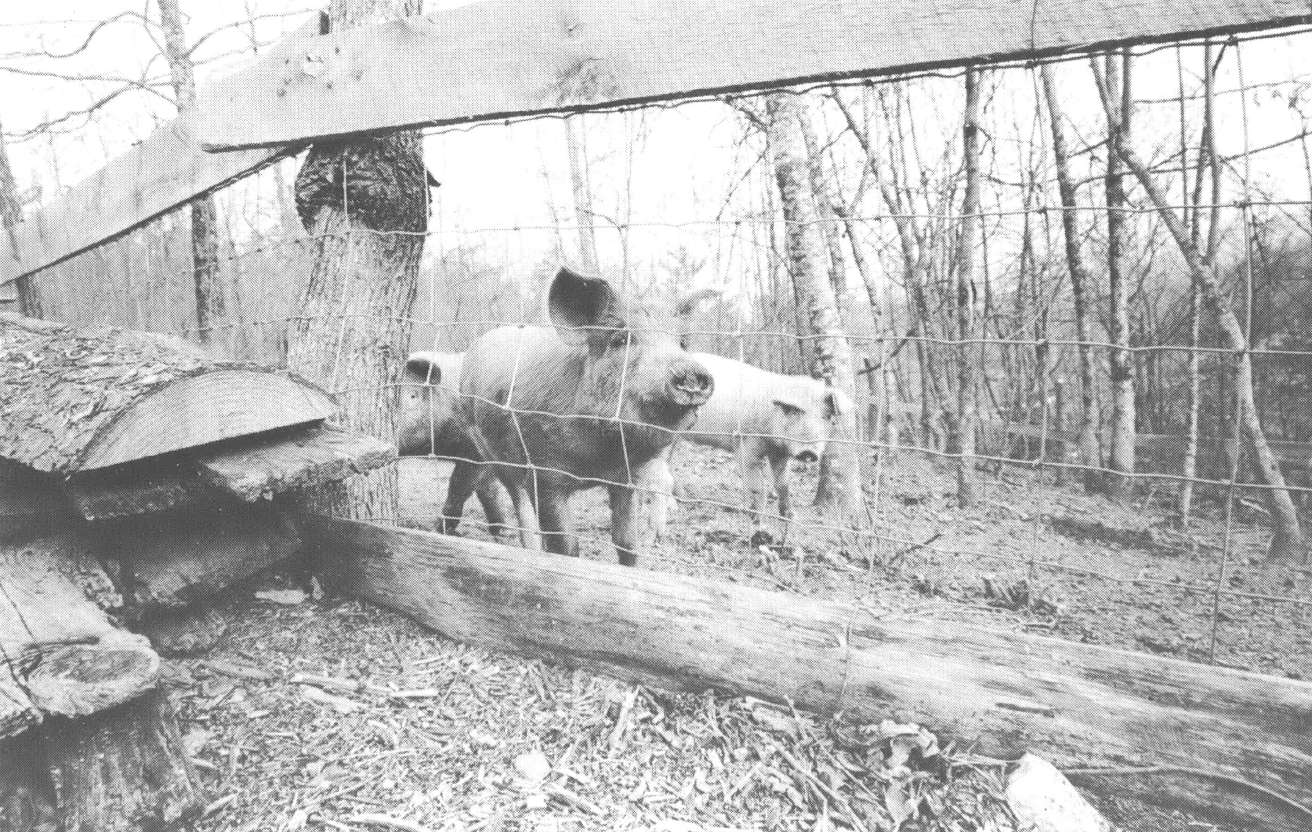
619, 340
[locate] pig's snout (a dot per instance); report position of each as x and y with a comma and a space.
807, 456
689, 384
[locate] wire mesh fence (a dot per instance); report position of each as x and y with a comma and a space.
673, 201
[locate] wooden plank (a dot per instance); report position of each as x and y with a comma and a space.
505, 58
999, 693
166, 170
261, 466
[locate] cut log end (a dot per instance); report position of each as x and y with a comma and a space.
83, 679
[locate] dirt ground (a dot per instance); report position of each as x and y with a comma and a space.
395, 727
332, 714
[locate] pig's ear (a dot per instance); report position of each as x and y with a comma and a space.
788, 406
837, 404
575, 301
689, 303
422, 366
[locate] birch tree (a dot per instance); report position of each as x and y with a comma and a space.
1113, 82
806, 255
1090, 450
1287, 537
968, 353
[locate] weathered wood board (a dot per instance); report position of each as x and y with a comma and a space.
159, 175
1002, 693
505, 58
261, 466
92, 397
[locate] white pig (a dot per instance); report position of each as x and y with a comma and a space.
595, 400
431, 424
766, 419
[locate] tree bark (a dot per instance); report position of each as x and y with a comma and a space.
969, 356
1114, 89
1090, 452
11, 213
807, 261
365, 204
828, 490
124, 770
211, 298
1184, 499
1287, 536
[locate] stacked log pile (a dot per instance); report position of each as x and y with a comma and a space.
139, 476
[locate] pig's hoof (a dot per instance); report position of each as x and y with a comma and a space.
449, 527
761, 537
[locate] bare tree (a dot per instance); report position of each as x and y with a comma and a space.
968, 354
11, 213
1114, 90
210, 295
1287, 537
364, 202
576, 146
807, 262
1090, 450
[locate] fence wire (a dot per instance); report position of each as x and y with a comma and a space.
1039, 550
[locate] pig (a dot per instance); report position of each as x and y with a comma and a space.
765, 418
431, 423
594, 400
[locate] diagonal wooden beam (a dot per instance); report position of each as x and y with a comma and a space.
159, 175
504, 58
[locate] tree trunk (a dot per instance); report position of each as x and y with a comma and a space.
365, 204
1090, 452
577, 147
828, 490
211, 300
11, 213
1287, 536
968, 354
806, 256
1114, 87
1184, 500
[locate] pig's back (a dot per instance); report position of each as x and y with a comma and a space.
740, 403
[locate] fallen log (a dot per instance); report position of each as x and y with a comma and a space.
83, 398
178, 557
123, 770
30, 503
62, 654
1001, 693
136, 488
